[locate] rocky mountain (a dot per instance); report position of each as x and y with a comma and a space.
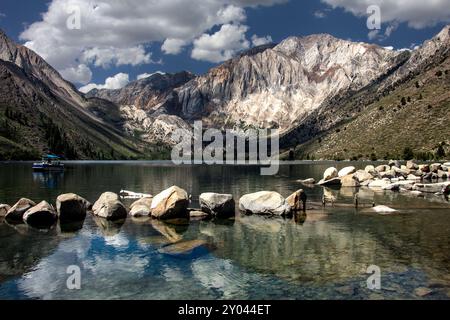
272, 86
41, 112
146, 94
406, 113
315, 89
277, 87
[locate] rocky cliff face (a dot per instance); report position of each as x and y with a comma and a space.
146, 94
273, 86
34, 65
41, 112
279, 86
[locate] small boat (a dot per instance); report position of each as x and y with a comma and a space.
49, 163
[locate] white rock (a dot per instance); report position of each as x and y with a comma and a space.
379, 184
383, 210
264, 203
330, 173
346, 171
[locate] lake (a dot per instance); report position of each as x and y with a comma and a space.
324, 257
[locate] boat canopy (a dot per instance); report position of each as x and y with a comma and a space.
51, 157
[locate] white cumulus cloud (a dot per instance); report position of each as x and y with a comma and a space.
417, 14
221, 45
105, 57
118, 81
115, 32
259, 41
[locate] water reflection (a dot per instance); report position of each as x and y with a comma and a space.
50, 180
321, 255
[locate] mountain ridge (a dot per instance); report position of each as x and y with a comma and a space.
41, 112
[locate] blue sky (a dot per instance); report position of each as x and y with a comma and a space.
74, 56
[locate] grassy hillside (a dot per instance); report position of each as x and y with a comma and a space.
413, 118
34, 121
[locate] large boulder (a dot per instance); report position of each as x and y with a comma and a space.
382, 168
412, 166
264, 203
219, 205
71, 207
330, 173
4, 208
141, 208
370, 169
109, 207
18, 210
171, 203
350, 181
435, 167
394, 163
400, 172
425, 168
297, 201
43, 214
346, 171
362, 176
388, 174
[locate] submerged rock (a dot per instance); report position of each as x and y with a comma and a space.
423, 292
4, 208
185, 248
141, 208
171, 203
71, 207
431, 188
41, 215
383, 210
308, 181
264, 203
219, 205
18, 210
109, 207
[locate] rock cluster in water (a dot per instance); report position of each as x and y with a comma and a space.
428, 178
172, 203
